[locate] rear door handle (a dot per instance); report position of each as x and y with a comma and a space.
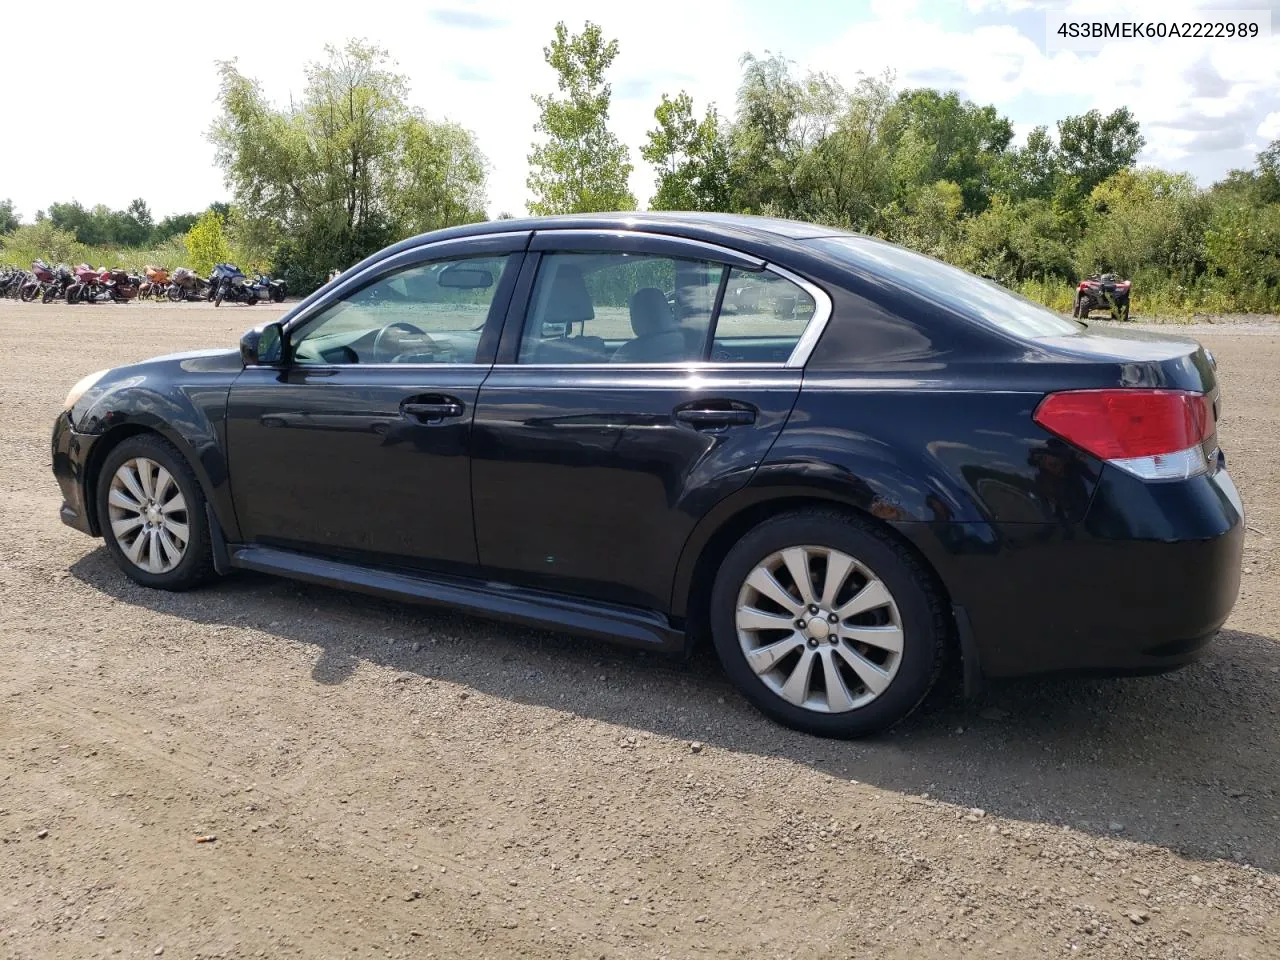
433, 409
704, 417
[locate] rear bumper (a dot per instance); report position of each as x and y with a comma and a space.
1142, 585
70, 455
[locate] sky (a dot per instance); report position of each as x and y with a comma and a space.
1205, 106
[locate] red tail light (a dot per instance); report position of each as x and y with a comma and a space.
1154, 434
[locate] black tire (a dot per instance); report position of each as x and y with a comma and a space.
252, 301
196, 565
1078, 310
73, 293
29, 292
176, 293
50, 293
923, 612
217, 297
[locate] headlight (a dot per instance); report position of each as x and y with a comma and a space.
76, 392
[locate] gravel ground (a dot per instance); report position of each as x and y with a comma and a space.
386, 780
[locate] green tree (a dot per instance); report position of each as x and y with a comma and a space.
581, 167
347, 169
1092, 147
937, 136
172, 226
768, 138
8, 219
692, 157
207, 243
1029, 172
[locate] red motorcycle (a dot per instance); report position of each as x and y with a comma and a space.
42, 278
92, 286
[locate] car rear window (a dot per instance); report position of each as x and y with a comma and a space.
949, 286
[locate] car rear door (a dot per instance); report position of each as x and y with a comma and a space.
614, 418
358, 447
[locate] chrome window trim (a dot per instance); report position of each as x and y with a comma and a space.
817, 323
346, 285
693, 366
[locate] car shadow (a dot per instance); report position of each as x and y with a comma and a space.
1184, 760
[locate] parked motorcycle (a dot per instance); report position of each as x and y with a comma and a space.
41, 276
102, 286
267, 289
156, 284
119, 285
10, 279
1105, 292
228, 282
186, 284
87, 285
57, 288
12, 282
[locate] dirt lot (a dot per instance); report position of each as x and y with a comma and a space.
385, 780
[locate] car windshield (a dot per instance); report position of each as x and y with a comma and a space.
950, 286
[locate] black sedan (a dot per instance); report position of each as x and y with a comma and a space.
839, 461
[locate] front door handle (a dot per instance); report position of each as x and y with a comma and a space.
708, 416
434, 409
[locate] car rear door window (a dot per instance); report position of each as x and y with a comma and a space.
427, 313
616, 307
761, 319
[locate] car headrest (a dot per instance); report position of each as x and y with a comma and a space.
650, 312
569, 301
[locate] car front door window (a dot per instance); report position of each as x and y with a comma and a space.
427, 313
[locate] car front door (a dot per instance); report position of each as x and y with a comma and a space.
357, 448
642, 387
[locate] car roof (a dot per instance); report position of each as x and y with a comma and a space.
704, 225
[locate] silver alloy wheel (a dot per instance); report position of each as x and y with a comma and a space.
148, 515
819, 628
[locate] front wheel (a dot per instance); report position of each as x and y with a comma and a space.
49, 295
152, 513
217, 297
177, 293
828, 624
29, 292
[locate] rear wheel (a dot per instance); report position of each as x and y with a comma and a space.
828, 624
29, 292
152, 513
1078, 309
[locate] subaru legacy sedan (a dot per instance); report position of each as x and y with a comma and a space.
846, 465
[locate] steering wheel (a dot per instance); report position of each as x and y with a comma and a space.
421, 342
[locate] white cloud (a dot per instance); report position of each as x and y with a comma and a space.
1269, 128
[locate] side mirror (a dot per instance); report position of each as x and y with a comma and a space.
263, 346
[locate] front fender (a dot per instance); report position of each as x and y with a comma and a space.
190, 413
